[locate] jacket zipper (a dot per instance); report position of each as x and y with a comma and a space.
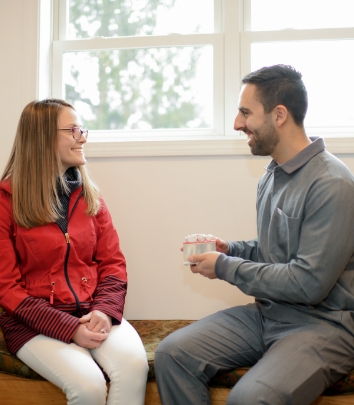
67, 238
77, 302
51, 300
84, 279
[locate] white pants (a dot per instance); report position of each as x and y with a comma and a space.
73, 369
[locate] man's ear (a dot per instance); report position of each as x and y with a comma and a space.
280, 115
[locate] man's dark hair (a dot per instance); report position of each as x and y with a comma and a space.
280, 84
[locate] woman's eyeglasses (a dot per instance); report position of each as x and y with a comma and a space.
76, 132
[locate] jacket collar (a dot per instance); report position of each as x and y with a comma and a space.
75, 180
6, 185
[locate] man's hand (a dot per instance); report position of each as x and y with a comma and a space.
206, 264
222, 246
85, 338
97, 321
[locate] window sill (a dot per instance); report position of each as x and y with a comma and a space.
206, 146
168, 147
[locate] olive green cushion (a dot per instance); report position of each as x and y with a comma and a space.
151, 333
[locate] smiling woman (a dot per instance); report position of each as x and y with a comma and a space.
63, 274
41, 155
71, 139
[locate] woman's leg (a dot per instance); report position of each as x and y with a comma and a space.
122, 356
68, 366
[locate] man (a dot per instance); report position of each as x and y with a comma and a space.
298, 334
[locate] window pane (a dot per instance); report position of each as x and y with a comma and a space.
301, 14
327, 68
142, 88
117, 18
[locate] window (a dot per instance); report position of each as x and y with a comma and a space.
169, 70
317, 38
133, 68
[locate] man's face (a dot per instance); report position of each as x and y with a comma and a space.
258, 126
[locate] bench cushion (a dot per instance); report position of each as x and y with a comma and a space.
151, 333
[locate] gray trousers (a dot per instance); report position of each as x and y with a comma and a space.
292, 362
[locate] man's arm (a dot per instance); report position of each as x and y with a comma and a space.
245, 250
326, 244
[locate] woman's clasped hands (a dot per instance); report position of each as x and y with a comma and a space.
93, 330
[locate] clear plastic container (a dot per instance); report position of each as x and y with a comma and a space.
197, 244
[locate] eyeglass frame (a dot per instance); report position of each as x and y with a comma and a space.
83, 132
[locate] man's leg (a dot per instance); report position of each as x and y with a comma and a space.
189, 357
300, 362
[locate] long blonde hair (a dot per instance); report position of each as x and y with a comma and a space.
34, 166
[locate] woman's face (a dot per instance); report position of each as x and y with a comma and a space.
71, 151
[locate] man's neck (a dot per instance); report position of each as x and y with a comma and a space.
291, 143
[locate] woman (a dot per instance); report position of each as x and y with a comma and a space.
63, 278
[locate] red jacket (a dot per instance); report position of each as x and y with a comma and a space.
48, 279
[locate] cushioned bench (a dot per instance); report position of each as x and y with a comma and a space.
20, 385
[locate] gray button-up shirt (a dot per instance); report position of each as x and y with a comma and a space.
301, 266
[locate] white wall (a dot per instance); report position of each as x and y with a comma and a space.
18, 47
154, 202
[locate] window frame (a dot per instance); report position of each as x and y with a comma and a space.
107, 44
342, 143
216, 40
231, 42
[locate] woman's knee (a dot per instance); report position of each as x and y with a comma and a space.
134, 357
135, 363
87, 392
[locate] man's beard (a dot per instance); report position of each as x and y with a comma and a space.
265, 140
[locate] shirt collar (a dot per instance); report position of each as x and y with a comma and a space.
72, 179
316, 146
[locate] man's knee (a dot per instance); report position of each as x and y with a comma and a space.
166, 345
173, 353
165, 352
173, 345
255, 394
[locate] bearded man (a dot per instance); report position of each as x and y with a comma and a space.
298, 334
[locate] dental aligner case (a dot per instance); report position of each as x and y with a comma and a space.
196, 244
